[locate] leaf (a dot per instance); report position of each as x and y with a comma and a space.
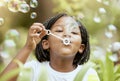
10, 74
108, 73
82, 72
25, 74
43, 74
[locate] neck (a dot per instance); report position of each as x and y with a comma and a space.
62, 65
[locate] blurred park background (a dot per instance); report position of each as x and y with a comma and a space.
100, 17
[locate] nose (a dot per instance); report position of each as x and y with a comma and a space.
67, 34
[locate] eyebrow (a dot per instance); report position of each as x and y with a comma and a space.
58, 25
65, 24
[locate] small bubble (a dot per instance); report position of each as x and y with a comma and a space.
98, 53
110, 31
114, 58
4, 55
24, 7
6, 0
97, 19
33, 15
99, 1
115, 46
111, 27
1, 21
108, 34
80, 16
102, 10
33, 3
106, 3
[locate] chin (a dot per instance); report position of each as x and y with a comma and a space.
67, 53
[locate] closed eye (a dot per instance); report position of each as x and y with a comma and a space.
76, 33
59, 31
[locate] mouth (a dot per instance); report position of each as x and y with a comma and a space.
66, 41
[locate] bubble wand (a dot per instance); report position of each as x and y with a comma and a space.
65, 41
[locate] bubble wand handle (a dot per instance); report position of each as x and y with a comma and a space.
49, 33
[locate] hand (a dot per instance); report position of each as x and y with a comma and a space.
35, 34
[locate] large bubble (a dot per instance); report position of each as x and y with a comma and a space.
1, 4
18, 5
24, 7
12, 35
9, 43
13, 5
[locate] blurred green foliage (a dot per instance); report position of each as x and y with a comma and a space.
107, 11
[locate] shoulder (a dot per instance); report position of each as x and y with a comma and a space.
34, 64
36, 68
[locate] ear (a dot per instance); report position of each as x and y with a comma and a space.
82, 47
45, 44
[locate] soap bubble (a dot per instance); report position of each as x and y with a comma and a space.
72, 27
33, 15
1, 21
102, 10
98, 53
115, 47
9, 43
112, 27
9, 46
1, 4
110, 31
114, 57
99, 1
24, 7
13, 5
12, 35
108, 34
106, 3
97, 19
4, 55
80, 16
33, 3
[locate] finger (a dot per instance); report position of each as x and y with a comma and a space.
40, 24
34, 35
42, 34
35, 29
38, 29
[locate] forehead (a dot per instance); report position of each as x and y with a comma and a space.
65, 20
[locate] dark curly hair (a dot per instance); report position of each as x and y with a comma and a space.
43, 55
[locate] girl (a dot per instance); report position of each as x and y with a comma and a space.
61, 44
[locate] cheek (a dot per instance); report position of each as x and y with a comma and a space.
77, 40
53, 41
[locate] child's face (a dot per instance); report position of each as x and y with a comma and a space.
65, 27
